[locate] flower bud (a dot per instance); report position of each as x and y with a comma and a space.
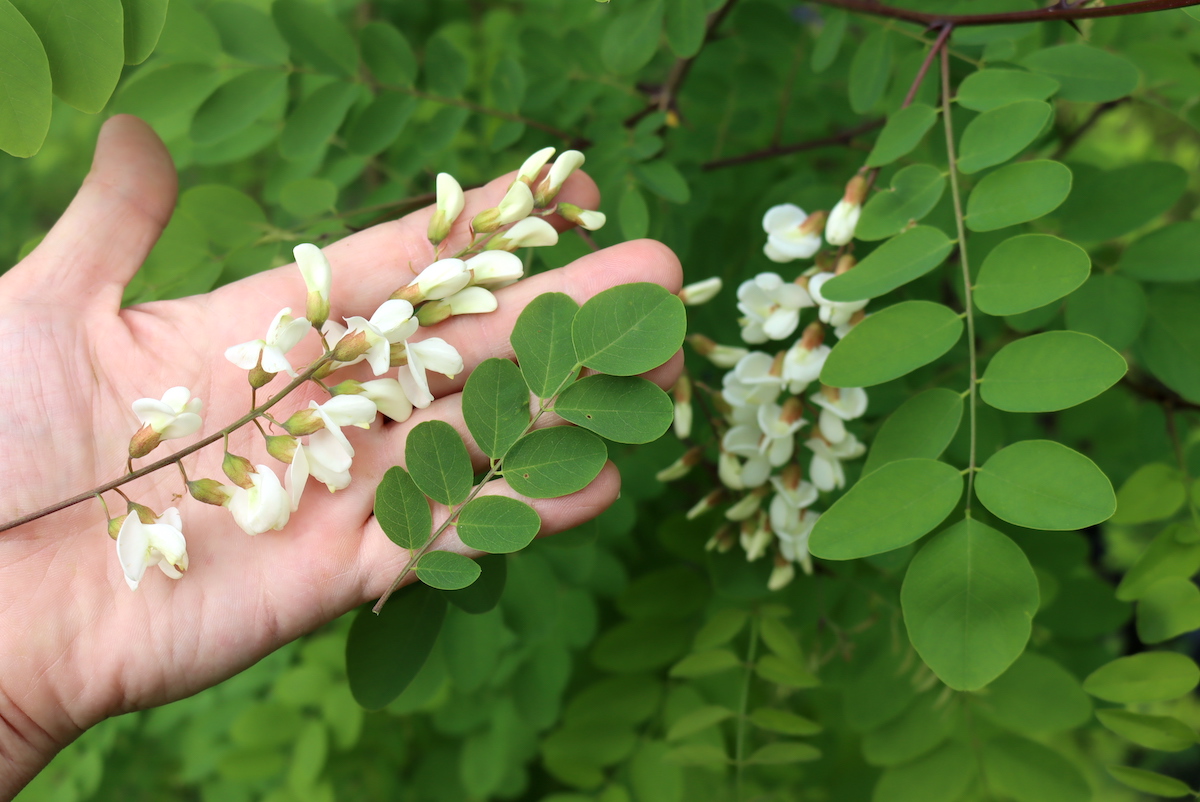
208, 491
305, 421
721, 541
839, 230
516, 205
282, 447
813, 336
348, 387
723, 356
844, 264
705, 504
682, 391
532, 232
441, 279
700, 292
584, 218
748, 505
450, 203
259, 377
568, 162
815, 222
533, 165
143, 442
238, 469
680, 467
114, 526
351, 347
782, 574
318, 278
469, 301
495, 269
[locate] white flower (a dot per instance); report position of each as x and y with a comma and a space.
700, 292
754, 380
843, 219
782, 574
747, 506
755, 538
450, 203
325, 459
161, 543
345, 410
176, 415
318, 279
588, 219
495, 269
771, 307
471, 301
432, 353
791, 233
440, 280
835, 313
266, 505
793, 541
283, 334
802, 363
392, 322
532, 232
826, 466
388, 396
848, 403
516, 205
533, 165
567, 162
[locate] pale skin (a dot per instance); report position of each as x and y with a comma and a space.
76, 645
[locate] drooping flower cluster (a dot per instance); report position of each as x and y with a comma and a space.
312, 442
794, 234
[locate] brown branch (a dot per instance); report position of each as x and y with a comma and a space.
1055, 12
840, 138
1158, 394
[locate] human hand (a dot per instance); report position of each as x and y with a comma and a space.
76, 645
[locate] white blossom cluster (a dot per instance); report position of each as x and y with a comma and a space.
312, 443
765, 406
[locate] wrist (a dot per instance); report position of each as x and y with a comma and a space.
25, 748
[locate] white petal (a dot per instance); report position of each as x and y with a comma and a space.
296, 476
782, 217
326, 450
184, 425
245, 356
133, 546
349, 410
314, 267
390, 316
436, 354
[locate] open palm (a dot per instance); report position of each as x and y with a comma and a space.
76, 645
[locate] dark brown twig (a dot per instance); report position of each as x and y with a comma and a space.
1055, 12
840, 138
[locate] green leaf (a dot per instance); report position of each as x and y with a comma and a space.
1168, 609
231, 219
1150, 782
904, 131
1169, 346
785, 672
142, 24
651, 777
893, 264
1108, 306
1029, 271
248, 34
446, 570
388, 54
1034, 696
997, 135
783, 752
384, 652
943, 775
989, 89
915, 190
314, 122
664, 180
722, 627
829, 41
1017, 193
632, 213
919, 729
553, 462
1099, 207
161, 95
1050, 371
892, 343
495, 406
969, 597
439, 463
498, 524
870, 71
316, 38
1154, 492
1040, 484
1027, 771
629, 329
922, 427
632, 38
1153, 732
696, 755
779, 639
625, 409
887, 509
483, 594
380, 123
83, 41
1144, 677
1175, 552
25, 92
447, 67
1086, 74
1171, 253
236, 104
772, 719
704, 663
402, 510
542, 342
698, 720
646, 644
308, 197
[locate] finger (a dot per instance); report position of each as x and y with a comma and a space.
105, 234
382, 560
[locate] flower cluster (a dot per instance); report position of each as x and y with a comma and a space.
312, 443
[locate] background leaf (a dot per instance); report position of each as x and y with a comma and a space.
1085, 73
992, 88
922, 427
914, 192
384, 652
870, 70
1144, 677
83, 41
25, 92
903, 132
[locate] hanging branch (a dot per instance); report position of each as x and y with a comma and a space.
1056, 12
840, 138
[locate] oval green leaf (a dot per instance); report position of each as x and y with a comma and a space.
1150, 782
968, 598
942, 775
1017, 193
236, 104
446, 570
402, 510
483, 594
870, 70
1145, 677
1021, 769
1164, 733
989, 89
1029, 271
914, 192
892, 343
1050, 371
143, 25
1169, 345
1174, 552
772, 719
316, 38
554, 462
903, 132
629, 329
498, 524
1099, 207
318, 117
1110, 307
1040, 484
84, 44
997, 135
439, 463
542, 342
887, 509
384, 652
893, 264
388, 54
1034, 696
378, 125
922, 427
1167, 610
1086, 74
625, 409
495, 406
25, 92
1154, 492
1171, 253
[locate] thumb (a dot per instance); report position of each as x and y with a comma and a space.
105, 234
